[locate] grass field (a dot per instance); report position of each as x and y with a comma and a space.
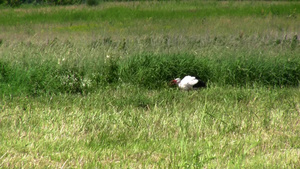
87, 87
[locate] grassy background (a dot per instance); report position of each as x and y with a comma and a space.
88, 86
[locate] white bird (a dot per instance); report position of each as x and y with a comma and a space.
188, 83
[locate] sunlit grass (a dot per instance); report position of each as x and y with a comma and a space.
88, 87
131, 126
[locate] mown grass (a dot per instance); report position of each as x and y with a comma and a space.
90, 90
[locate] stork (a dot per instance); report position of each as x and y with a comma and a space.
188, 83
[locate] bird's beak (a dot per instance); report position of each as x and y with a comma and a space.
173, 82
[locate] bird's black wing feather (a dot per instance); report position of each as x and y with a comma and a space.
200, 84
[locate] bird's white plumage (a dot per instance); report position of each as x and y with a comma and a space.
187, 82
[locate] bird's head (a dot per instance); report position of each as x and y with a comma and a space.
175, 81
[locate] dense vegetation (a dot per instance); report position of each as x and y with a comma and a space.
88, 87
147, 70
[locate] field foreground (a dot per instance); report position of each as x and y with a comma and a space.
87, 87
133, 127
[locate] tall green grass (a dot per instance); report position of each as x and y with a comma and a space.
150, 71
234, 70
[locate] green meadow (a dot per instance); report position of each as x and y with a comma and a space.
89, 87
